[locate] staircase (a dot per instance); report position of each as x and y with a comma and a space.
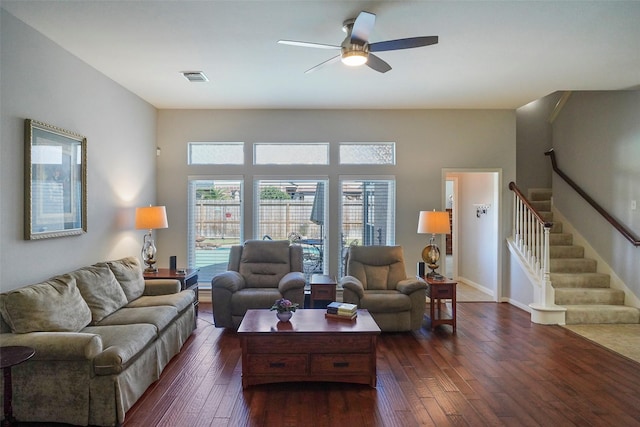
577, 285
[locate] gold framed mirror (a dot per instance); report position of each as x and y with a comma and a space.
55, 185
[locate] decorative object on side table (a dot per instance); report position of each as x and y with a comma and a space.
150, 218
284, 308
432, 222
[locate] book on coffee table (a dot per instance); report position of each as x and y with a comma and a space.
340, 316
342, 308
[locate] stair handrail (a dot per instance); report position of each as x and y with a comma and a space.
531, 239
513, 187
628, 234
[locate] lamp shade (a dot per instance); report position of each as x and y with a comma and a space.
432, 222
151, 217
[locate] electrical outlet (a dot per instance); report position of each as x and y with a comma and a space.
633, 205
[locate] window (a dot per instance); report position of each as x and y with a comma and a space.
367, 214
291, 154
216, 153
215, 223
295, 211
382, 153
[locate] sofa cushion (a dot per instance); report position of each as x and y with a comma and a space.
246, 299
128, 273
385, 302
100, 290
121, 344
52, 306
159, 316
180, 300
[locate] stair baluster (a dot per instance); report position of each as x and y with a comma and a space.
531, 235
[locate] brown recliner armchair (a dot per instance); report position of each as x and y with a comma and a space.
376, 280
259, 273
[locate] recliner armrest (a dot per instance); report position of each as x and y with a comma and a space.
291, 280
408, 286
229, 280
353, 284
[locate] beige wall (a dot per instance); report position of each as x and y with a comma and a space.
42, 81
477, 237
596, 139
428, 141
533, 133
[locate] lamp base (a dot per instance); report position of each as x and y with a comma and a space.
151, 268
431, 256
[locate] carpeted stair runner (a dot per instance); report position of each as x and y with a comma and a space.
578, 286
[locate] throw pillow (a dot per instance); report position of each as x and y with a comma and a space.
128, 273
100, 290
52, 306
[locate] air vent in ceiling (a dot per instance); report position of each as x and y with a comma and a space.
195, 76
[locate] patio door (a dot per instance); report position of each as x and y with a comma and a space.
215, 224
294, 210
367, 214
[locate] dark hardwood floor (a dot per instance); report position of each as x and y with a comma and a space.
499, 370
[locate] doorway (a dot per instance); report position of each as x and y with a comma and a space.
474, 258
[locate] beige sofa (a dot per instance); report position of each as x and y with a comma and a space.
101, 334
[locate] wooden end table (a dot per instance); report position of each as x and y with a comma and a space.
309, 347
323, 290
11, 356
438, 290
188, 279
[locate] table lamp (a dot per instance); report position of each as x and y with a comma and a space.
150, 218
432, 222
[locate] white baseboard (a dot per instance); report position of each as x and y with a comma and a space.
477, 286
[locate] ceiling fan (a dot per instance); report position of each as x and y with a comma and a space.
356, 49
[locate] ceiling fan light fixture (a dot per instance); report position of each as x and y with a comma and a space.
354, 58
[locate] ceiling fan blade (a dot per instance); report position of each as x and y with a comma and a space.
362, 27
322, 64
377, 64
308, 44
409, 43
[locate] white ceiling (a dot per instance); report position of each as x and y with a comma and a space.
491, 54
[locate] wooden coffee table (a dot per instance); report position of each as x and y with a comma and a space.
307, 348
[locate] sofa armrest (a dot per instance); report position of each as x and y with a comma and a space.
409, 286
57, 345
231, 281
291, 280
352, 284
161, 287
